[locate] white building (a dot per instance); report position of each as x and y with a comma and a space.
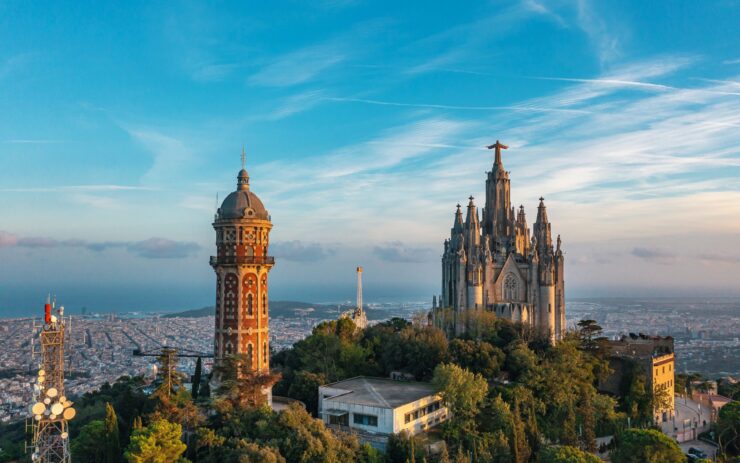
377, 407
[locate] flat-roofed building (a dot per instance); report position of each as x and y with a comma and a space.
378, 407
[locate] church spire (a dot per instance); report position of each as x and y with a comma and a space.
542, 211
457, 226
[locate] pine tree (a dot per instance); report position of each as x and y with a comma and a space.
112, 443
196, 379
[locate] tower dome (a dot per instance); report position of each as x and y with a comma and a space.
243, 203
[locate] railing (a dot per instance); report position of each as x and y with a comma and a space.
253, 260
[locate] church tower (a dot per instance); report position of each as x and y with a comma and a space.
242, 265
497, 265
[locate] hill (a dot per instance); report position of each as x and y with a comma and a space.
291, 309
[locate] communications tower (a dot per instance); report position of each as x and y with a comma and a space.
50, 409
359, 316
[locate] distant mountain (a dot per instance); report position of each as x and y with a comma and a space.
291, 309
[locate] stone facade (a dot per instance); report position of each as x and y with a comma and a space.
242, 265
493, 263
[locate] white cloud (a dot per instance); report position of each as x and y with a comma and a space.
298, 66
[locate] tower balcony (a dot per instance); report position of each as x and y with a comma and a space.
242, 260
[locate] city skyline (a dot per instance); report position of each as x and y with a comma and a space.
363, 127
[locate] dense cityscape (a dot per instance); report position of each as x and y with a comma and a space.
101, 346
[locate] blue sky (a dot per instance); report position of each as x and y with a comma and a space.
364, 124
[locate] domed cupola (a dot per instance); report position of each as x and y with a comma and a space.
242, 203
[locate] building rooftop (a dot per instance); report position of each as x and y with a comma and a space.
379, 392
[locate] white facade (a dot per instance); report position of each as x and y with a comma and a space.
381, 406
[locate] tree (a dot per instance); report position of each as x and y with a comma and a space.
728, 428
305, 387
589, 333
157, 443
565, 454
196, 379
402, 448
477, 356
87, 446
462, 392
112, 443
646, 446
170, 378
240, 386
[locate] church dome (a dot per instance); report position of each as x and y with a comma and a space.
243, 203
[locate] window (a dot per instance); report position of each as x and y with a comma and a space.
264, 352
264, 303
407, 418
250, 304
365, 420
511, 287
250, 353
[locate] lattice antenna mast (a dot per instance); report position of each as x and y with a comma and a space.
50, 409
359, 288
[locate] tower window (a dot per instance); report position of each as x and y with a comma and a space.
264, 353
250, 304
250, 354
264, 304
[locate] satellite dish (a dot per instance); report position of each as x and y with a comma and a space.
57, 409
65, 435
69, 413
52, 392
47, 401
38, 408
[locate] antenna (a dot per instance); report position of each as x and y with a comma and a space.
244, 158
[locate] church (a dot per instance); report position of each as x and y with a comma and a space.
493, 263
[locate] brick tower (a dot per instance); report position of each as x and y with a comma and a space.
242, 265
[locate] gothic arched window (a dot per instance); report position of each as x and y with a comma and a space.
264, 304
511, 287
250, 305
250, 354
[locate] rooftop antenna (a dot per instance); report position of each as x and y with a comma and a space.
244, 158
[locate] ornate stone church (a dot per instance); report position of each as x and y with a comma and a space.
494, 263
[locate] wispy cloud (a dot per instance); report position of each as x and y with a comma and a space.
655, 255
298, 66
152, 248
296, 103
399, 252
299, 251
79, 188
31, 141
603, 38
169, 153
454, 107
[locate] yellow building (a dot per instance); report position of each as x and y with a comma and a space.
662, 379
656, 356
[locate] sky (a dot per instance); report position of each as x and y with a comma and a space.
364, 123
